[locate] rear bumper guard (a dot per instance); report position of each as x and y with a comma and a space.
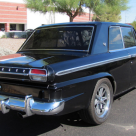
29, 106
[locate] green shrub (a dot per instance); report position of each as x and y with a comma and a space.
3, 36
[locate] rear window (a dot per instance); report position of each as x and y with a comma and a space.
75, 38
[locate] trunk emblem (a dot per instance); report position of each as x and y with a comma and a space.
9, 69
16, 70
23, 71
2, 69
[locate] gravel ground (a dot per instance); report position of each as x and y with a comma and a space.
10, 45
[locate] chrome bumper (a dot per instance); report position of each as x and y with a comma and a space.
29, 106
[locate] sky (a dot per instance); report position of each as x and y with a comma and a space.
129, 15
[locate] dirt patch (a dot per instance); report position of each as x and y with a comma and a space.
10, 45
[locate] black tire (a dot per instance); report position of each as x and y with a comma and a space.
99, 109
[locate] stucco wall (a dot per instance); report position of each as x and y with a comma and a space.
35, 19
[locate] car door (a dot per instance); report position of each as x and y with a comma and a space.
129, 39
121, 71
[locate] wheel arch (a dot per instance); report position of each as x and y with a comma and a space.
90, 113
108, 76
113, 83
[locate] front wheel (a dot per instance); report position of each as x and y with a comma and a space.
100, 104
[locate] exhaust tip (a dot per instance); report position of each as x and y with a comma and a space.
21, 115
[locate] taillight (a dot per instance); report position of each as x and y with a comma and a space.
37, 71
38, 75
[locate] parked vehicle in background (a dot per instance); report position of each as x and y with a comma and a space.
63, 68
2, 29
19, 34
29, 30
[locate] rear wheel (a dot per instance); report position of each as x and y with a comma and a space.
100, 104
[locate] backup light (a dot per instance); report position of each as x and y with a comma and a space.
38, 75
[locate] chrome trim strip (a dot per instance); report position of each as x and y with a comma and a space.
122, 49
60, 49
47, 27
57, 50
67, 71
30, 106
122, 38
117, 50
26, 41
90, 39
12, 73
14, 78
113, 26
14, 67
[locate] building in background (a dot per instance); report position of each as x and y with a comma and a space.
14, 16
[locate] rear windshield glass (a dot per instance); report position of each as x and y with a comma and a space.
75, 38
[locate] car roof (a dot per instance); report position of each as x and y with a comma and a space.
84, 23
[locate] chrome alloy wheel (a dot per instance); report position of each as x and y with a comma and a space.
102, 101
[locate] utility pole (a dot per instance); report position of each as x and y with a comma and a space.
125, 16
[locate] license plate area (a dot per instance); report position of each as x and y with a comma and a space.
23, 91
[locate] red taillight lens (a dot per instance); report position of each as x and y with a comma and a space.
37, 71
38, 75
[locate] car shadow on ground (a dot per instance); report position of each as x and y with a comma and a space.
11, 124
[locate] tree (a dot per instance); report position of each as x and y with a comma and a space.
107, 14
71, 7
75, 7
134, 24
110, 11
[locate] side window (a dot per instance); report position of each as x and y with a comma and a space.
128, 37
134, 35
115, 40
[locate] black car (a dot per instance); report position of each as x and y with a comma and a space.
63, 68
